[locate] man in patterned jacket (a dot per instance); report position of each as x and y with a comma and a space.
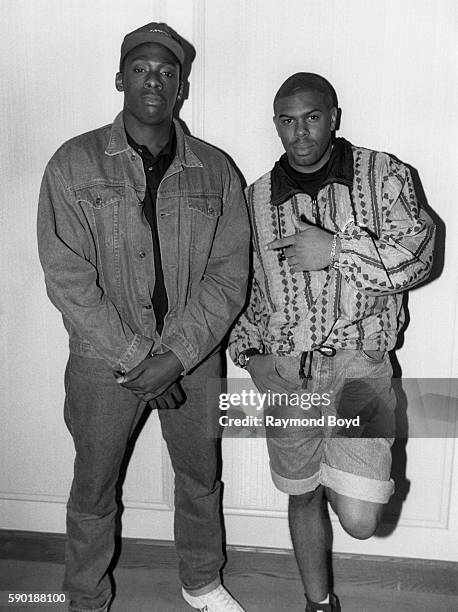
338, 236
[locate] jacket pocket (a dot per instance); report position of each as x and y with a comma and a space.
102, 203
99, 196
205, 210
102, 207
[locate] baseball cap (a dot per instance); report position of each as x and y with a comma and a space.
153, 33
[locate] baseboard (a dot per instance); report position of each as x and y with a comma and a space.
397, 573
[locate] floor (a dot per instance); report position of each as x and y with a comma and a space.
153, 586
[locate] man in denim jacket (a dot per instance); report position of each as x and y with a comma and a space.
143, 237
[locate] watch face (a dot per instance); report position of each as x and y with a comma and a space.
242, 360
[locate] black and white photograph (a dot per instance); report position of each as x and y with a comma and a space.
229, 306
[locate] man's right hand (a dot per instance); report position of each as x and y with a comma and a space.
265, 376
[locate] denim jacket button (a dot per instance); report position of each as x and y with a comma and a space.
98, 200
141, 254
148, 306
211, 211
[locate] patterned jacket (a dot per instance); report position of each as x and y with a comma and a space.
386, 247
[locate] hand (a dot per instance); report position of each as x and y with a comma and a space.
266, 377
170, 399
153, 375
309, 249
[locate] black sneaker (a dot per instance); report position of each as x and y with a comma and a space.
332, 606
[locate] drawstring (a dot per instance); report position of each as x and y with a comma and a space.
302, 375
328, 351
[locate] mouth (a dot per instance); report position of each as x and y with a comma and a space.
302, 148
152, 99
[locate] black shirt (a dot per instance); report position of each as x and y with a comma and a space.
309, 182
155, 168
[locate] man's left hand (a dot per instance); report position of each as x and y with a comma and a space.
309, 249
153, 375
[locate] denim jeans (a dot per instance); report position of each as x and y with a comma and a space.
354, 461
101, 416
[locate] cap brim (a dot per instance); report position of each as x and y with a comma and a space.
141, 38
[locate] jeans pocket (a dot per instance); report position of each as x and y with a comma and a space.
287, 369
373, 356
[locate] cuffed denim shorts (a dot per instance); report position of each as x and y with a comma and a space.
338, 429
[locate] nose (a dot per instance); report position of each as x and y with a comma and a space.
153, 80
301, 129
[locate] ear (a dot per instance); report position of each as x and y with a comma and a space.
118, 82
334, 118
180, 93
274, 119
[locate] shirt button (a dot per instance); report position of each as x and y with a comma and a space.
150, 168
141, 254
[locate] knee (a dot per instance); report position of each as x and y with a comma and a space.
92, 501
360, 525
305, 499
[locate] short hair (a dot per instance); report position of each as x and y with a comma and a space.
307, 81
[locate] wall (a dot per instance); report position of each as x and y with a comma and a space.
393, 65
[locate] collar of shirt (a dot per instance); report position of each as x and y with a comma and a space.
339, 170
168, 150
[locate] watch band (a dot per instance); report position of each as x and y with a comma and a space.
245, 356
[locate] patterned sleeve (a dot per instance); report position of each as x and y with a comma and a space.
246, 331
400, 255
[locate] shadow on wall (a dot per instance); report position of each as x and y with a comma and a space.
392, 511
190, 55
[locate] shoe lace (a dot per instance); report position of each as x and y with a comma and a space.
221, 596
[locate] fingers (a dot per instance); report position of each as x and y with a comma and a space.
166, 401
296, 267
146, 397
300, 225
132, 376
178, 394
280, 243
173, 397
293, 261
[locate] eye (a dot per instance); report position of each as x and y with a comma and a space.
139, 69
286, 121
168, 74
313, 118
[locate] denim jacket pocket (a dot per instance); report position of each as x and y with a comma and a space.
101, 203
205, 211
102, 208
99, 196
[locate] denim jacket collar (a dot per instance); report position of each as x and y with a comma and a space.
118, 143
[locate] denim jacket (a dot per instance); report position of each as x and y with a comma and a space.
96, 250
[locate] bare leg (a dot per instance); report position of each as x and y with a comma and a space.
359, 518
311, 533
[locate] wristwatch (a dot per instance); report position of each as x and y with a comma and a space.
245, 356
